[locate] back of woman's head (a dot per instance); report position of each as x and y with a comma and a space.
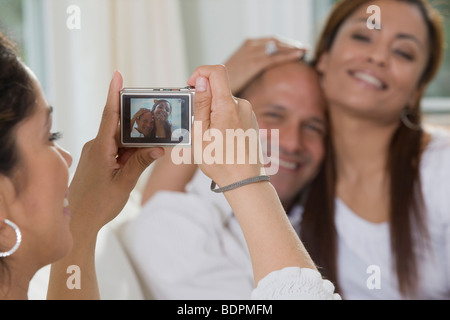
16, 103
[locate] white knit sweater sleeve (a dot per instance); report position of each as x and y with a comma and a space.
294, 283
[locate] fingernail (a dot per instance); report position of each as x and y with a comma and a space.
200, 84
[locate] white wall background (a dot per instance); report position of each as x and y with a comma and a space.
215, 28
152, 42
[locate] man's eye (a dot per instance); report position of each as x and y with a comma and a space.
314, 129
272, 115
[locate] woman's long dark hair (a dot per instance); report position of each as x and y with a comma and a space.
406, 209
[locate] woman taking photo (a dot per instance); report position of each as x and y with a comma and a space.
41, 221
380, 200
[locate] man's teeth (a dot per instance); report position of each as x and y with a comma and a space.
288, 165
369, 79
282, 163
66, 203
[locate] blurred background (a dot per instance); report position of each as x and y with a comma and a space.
74, 46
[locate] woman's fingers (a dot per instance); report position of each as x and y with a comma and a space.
203, 99
111, 112
213, 96
218, 80
225, 124
255, 55
134, 161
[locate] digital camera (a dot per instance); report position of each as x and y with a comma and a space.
156, 116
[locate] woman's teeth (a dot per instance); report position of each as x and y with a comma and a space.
369, 79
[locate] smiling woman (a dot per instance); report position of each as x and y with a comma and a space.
34, 178
380, 202
29, 156
405, 50
436, 101
45, 167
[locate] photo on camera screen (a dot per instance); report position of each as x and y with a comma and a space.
155, 119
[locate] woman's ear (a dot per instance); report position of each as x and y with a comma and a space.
7, 195
416, 97
322, 63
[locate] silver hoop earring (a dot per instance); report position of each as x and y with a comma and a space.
18, 239
408, 123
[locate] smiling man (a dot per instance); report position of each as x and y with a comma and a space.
288, 98
144, 124
186, 243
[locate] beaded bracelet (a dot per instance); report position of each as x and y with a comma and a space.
239, 183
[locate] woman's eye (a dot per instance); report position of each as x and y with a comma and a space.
360, 37
405, 55
55, 136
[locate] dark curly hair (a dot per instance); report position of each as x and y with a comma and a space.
16, 103
17, 97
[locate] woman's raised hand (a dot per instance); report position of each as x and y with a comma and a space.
107, 173
255, 55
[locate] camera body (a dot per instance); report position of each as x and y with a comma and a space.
156, 116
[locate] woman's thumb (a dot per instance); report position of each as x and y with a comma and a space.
203, 99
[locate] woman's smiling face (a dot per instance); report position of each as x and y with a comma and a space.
162, 111
41, 207
376, 72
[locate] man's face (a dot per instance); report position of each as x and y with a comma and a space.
288, 98
145, 123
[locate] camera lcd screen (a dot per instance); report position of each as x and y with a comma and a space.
156, 119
